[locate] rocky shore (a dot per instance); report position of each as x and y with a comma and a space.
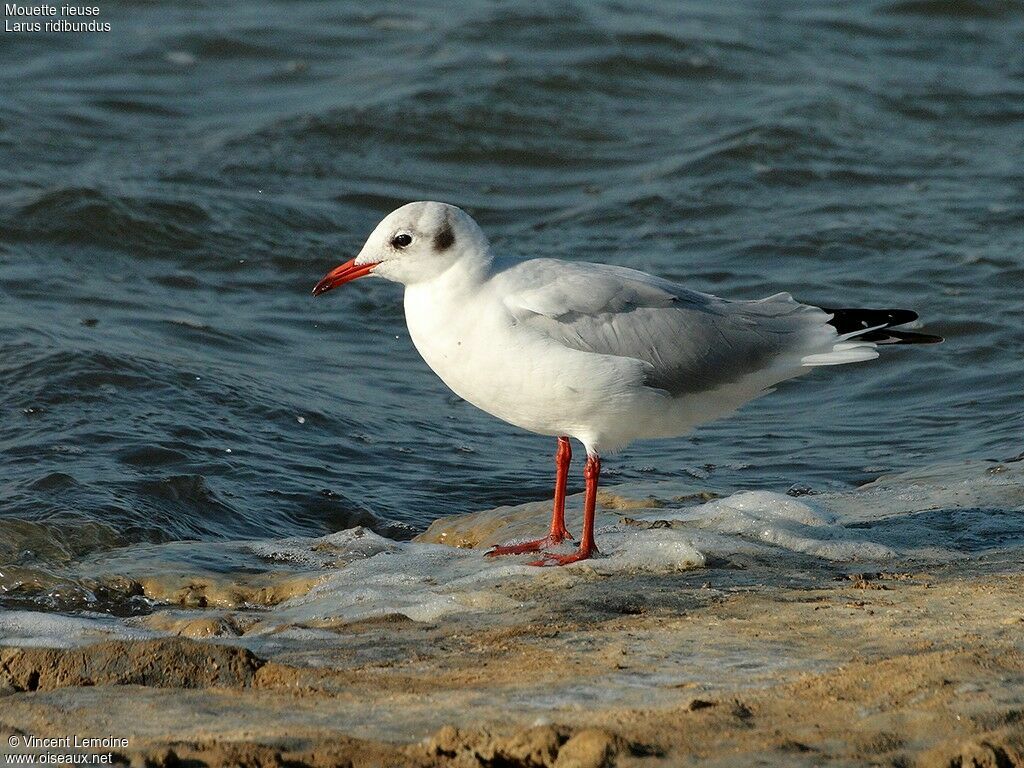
732, 655
878, 669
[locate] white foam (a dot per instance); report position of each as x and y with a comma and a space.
334, 550
53, 630
779, 521
428, 581
421, 581
627, 548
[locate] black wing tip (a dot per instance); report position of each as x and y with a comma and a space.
883, 321
904, 337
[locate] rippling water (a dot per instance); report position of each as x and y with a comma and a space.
170, 192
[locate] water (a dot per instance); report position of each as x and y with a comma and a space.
171, 191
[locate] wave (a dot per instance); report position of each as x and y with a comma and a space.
88, 216
954, 9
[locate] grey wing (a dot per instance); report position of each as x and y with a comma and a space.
691, 341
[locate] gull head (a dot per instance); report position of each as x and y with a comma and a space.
412, 244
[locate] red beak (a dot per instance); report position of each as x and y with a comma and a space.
346, 273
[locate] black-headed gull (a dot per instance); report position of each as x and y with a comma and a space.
604, 354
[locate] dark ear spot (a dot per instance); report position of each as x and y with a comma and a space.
445, 237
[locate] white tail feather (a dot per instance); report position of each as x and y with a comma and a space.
844, 351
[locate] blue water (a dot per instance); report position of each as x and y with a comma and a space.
171, 191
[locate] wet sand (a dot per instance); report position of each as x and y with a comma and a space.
922, 669
755, 630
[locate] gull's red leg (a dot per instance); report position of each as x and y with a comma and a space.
563, 458
558, 534
592, 473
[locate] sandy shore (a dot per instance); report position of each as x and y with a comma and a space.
896, 669
745, 656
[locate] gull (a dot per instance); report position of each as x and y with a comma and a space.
603, 354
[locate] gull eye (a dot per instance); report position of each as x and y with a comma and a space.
401, 240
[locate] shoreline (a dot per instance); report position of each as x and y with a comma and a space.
881, 626
895, 669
